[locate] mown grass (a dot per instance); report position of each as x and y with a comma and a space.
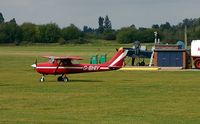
161, 97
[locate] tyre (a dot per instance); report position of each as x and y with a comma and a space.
60, 78
66, 79
42, 80
197, 63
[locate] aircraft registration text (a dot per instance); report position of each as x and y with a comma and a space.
91, 68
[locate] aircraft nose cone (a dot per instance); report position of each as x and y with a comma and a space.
33, 65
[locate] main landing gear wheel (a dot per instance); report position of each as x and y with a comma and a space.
42, 79
63, 79
60, 78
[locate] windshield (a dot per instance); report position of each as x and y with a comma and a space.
52, 61
75, 62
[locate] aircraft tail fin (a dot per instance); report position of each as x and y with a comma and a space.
118, 60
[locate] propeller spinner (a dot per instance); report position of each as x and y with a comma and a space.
34, 65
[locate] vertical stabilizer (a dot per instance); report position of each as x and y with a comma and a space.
118, 60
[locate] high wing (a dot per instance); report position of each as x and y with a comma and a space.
62, 60
64, 57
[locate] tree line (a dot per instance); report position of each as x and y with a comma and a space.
11, 32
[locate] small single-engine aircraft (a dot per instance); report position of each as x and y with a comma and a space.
66, 65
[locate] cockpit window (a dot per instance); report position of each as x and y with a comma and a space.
69, 62
75, 62
52, 60
66, 62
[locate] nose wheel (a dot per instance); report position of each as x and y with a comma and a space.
63, 79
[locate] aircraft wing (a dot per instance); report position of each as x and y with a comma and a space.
64, 57
146, 54
142, 53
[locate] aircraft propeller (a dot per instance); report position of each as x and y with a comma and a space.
34, 65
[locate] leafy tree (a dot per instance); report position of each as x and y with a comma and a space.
109, 35
3, 34
41, 32
188, 22
127, 35
195, 34
107, 24
142, 29
155, 26
1, 18
49, 33
101, 26
52, 33
13, 21
146, 35
165, 26
29, 32
87, 29
71, 32
10, 33
133, 26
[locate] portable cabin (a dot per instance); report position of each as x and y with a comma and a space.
170, 58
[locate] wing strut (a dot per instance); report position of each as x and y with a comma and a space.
57, 67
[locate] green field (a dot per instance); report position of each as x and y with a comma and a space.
116, 97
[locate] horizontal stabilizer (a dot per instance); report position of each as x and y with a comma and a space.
114, 67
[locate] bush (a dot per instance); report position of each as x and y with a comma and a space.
78, 41
61, 41
109, 36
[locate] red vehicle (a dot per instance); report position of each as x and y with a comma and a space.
65, 65
195, 53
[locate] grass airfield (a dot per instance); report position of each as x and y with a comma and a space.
135, 97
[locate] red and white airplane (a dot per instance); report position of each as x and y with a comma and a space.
66, 65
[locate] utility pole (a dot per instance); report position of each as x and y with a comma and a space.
185, 37
156, 35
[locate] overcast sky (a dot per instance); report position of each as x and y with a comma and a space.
142, 13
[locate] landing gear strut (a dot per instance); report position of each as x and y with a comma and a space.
63, 78
42, 79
